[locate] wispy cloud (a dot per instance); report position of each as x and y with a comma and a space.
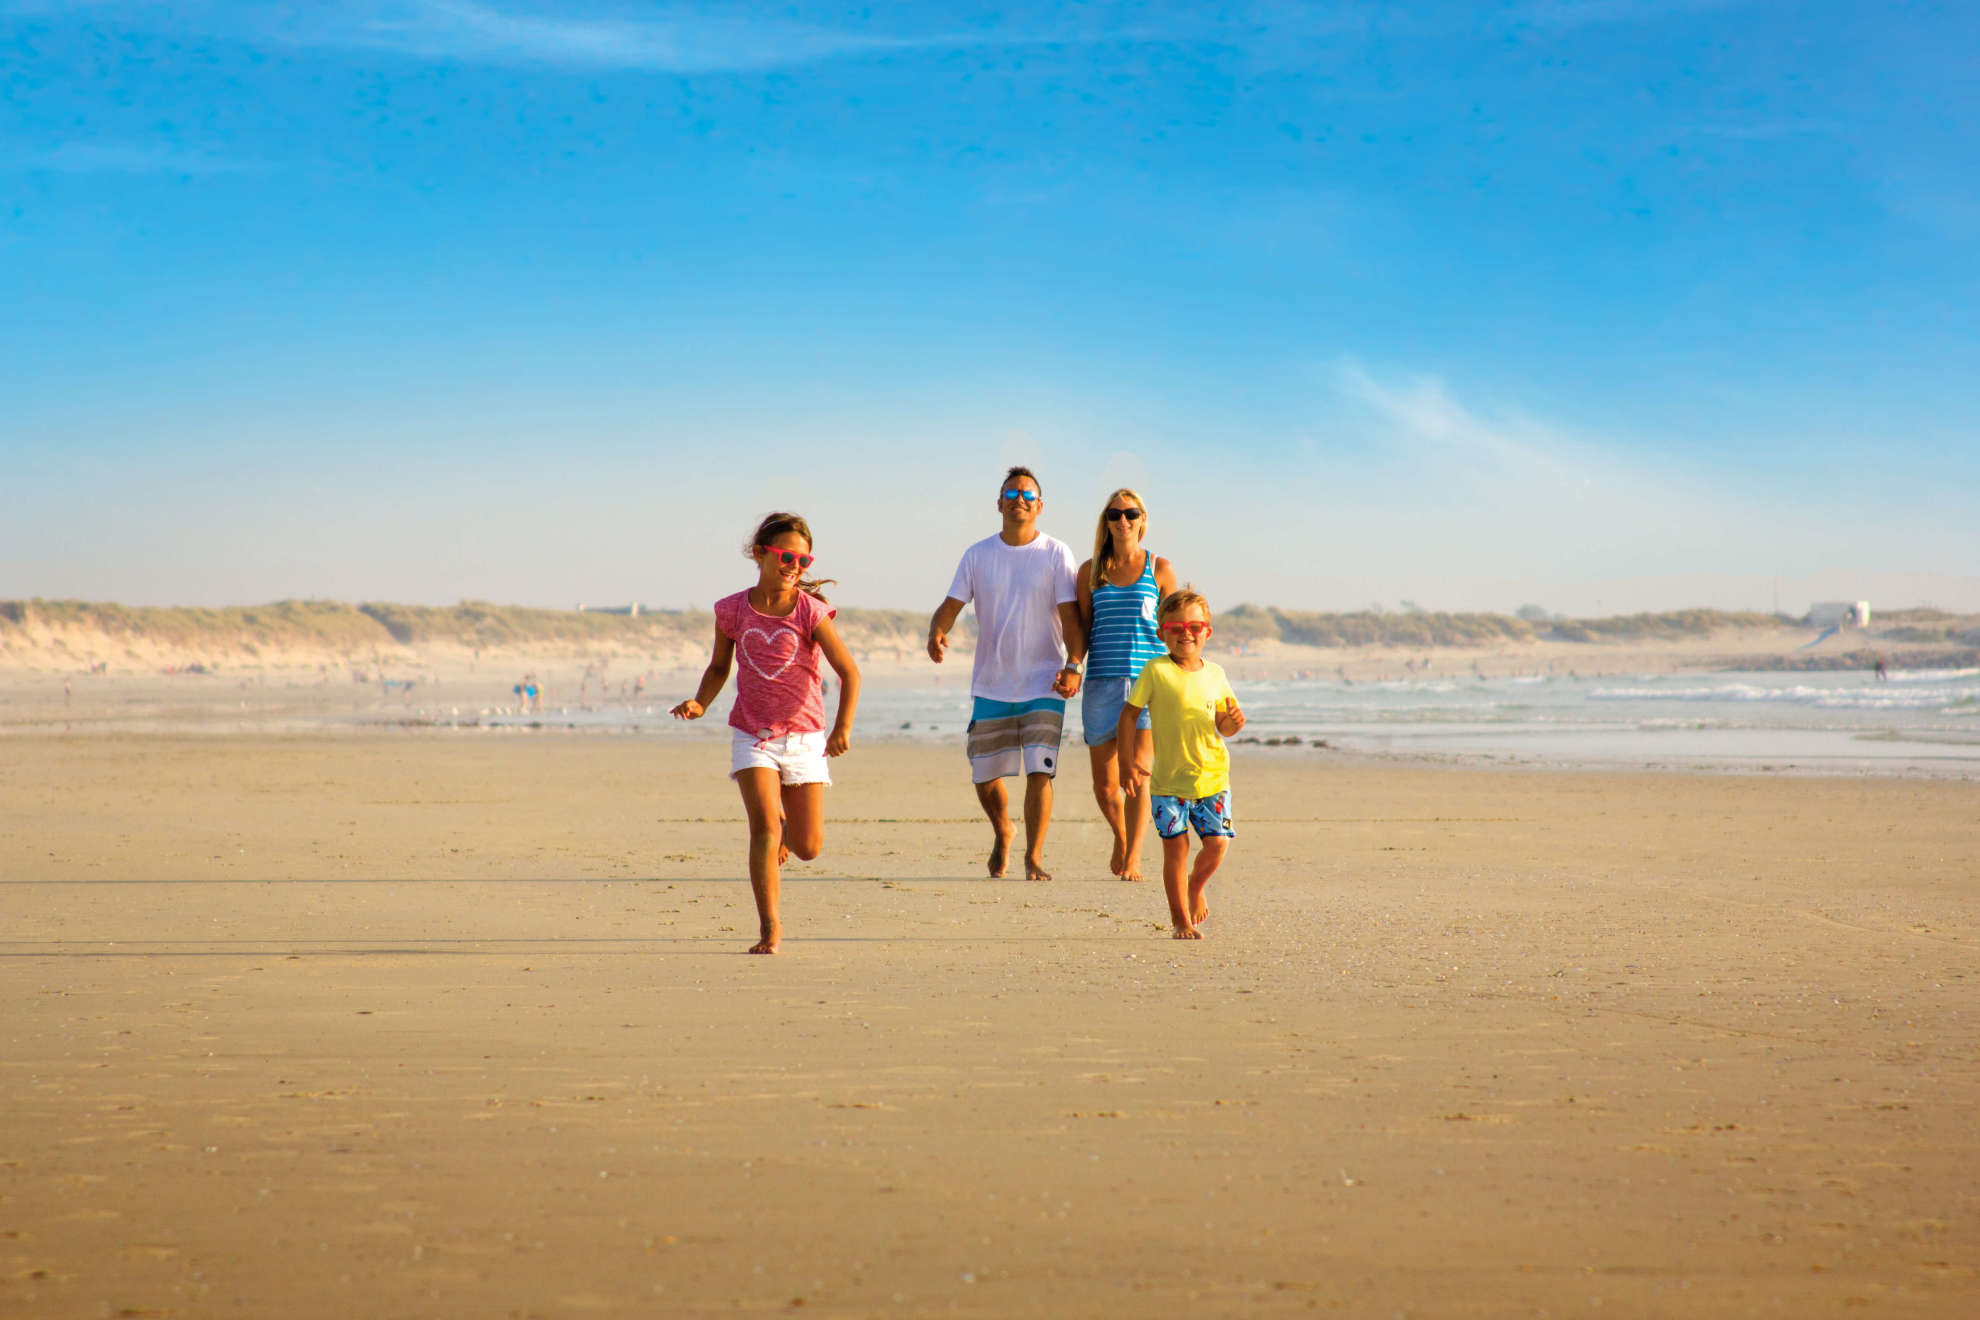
662, 39
1526, 494
682, 39
681, 42
1592, 13
130, 158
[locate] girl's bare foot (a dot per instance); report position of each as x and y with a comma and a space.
1185, 933
1000, 854
770, 940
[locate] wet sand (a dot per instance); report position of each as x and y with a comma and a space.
422, 1023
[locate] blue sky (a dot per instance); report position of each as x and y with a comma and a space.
1605, 305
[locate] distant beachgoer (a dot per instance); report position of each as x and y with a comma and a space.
778, 630
1119, 589
1883, 674
1187, 781
1028, 647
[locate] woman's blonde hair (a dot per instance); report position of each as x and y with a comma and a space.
1103, 544
775, 525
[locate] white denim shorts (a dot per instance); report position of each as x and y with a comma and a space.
798, 758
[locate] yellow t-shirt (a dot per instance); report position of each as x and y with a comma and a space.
1191, 760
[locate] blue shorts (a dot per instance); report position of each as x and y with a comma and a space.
1211, 816
1100, 702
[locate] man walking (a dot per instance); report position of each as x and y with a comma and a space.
1029, 645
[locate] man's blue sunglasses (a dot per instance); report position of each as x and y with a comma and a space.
1028, 496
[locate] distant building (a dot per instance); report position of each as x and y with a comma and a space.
1839, 614
635, 609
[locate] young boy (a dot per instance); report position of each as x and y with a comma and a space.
1191, 711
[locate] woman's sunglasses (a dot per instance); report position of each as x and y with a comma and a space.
1115, 515
789, 557
1192, 628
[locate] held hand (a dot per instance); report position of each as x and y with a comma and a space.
688, 710
1230, 719
938, 642
838, 743
1134, 779
1066, 683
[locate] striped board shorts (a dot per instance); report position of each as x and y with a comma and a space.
1015, 738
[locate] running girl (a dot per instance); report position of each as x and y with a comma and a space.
778, 629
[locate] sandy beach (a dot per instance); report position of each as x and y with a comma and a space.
422, 1024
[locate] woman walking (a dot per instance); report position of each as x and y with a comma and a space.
1119, 589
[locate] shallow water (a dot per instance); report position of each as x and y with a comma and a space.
1919, 722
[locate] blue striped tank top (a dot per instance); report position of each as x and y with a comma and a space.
1124, 635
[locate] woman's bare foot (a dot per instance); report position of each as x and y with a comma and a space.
1118, 864
1000, 854
770, 940
1185, 933
1133, 871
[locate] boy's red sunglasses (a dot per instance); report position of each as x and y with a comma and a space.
789, 557
1191, 627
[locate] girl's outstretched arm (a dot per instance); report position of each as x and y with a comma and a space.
712, 679
837, 656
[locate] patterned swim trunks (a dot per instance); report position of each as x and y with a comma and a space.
1015, 737
1173, 816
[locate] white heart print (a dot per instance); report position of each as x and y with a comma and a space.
782, 639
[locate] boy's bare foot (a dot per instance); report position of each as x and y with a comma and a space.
1185, 933
1035, 871
771, 938
1000, 854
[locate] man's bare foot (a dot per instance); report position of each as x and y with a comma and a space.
1035, 870
1118, 865
1185, 933
1000, 855
770, 940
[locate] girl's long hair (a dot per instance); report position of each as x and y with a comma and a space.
775, 525
1103, 544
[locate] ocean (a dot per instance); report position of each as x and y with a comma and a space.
1920, 722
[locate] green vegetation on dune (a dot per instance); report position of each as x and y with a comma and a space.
343, 630
336, 628
1677, 625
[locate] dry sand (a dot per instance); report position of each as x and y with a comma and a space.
419, 1024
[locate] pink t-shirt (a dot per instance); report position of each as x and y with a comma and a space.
777, 666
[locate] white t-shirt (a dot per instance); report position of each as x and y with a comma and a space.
1017, 589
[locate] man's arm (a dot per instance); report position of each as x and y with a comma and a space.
945, 618
1067, 683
